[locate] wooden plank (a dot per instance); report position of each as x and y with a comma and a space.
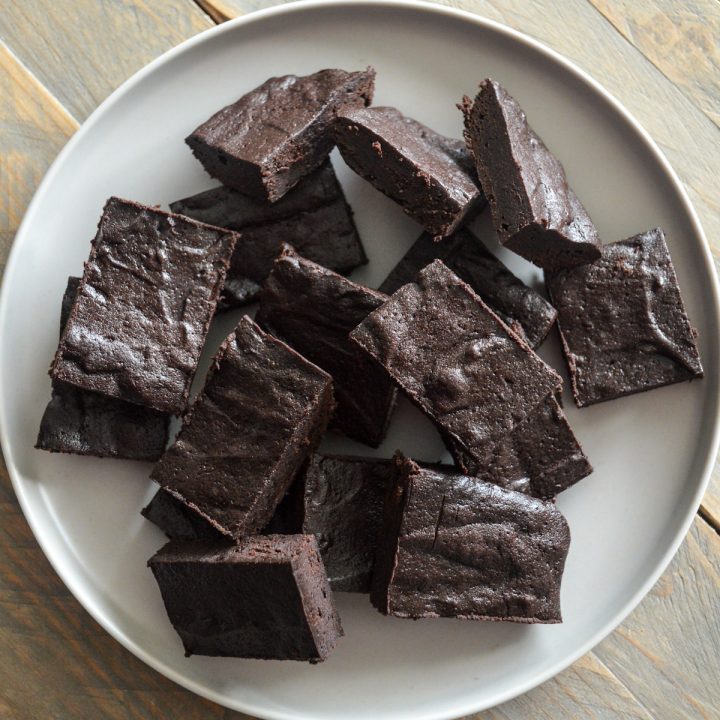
585, 691
577, 30
33, 128
666, 652
82, 50
660, 29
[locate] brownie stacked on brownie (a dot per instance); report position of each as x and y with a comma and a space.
263, 408
144, 305
86, 423
276, 134
520, 307
314, 309
314, 216
263, 528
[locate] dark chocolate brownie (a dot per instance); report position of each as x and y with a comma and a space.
262, 411
313, 309
540, 457
519, 306
86, 423
622, 321
273, 136
177, 520
534, 210
456, 359
429, 175
339, 499
453, 546
144, 306
314, 216
267, 597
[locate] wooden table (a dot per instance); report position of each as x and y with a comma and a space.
61, 58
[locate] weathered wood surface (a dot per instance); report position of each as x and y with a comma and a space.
661, 30
81, 50
670, 113
56, 661
33, 128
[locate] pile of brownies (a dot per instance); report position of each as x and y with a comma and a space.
262, 527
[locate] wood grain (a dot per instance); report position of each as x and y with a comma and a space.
33, 128
83, 49
680, 37
585, 691
667, 650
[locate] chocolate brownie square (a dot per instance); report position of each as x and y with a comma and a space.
263, 409
520, 307
273, 136
453, 546
622, 321
534, 210
429, 175
339, 499
456, 360
540, 457
87, 423
144, 306
266, 597
314, 216
313, 309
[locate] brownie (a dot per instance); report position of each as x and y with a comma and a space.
263, 409
339, 499
267, 597
622, 321
177, 520
518, 305
534, 210
313, 309
456, 360
429, 175
453, 546
314, 216
540, 457
273, 136
86, 423
144, 306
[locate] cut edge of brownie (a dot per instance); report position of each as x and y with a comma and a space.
299, 551
178, 520
316, 596
439, 220
396, 497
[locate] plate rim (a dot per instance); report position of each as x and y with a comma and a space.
76, 587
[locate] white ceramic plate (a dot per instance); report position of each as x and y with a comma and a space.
651, 452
